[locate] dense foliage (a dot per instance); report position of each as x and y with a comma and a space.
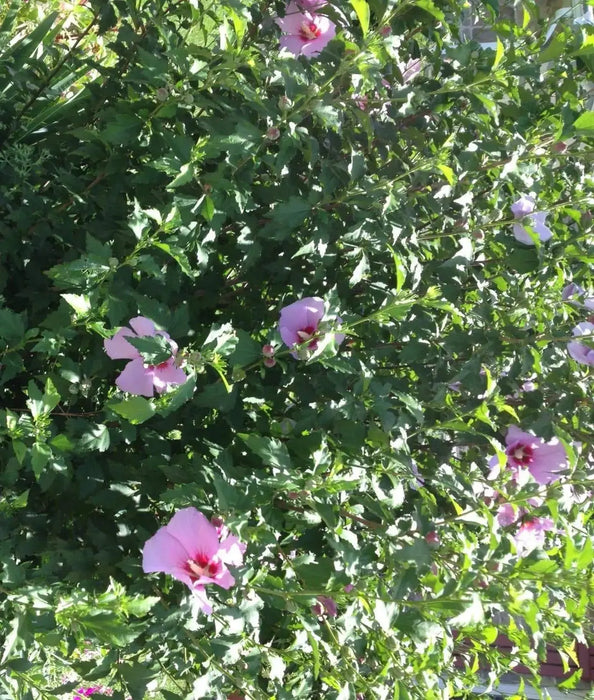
405, 494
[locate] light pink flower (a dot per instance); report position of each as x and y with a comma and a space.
507, 514
525, 207
304, 32
526, 451
189, 549
531, 535
581, 353
300, 322
137, 377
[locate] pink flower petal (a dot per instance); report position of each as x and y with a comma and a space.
136, 379
305, 313
549, 459
200, 594
293, 19
195, 532
143, 326
164, 552
231, 551
291, 43
118, 348
163, 376
523, 206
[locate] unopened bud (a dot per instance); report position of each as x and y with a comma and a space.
273, 133
162, 94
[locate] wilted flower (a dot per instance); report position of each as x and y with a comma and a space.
304, 32
300, 322
525, 207
137, 377
531, 535
194, 551
526, 451
580, 352
325, 606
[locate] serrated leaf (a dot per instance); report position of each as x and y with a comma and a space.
135, 409
154, 349
272, 451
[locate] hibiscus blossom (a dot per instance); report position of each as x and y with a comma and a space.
300, 322
531, 535
524, 207
582, 353
137, 377
194, 551
304, 32
542, 459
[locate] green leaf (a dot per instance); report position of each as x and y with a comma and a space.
272, 452
96, 438
362, 9
585, 122
472, 615
40, 456
42, 404
135, 409
12, 326
79, 302
430, 7
154, 349
221, 340
178, 255
20, 450
499, 54
448, 172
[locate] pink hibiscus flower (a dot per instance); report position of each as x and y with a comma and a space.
524, 207
300, 322
194, 551
542, 459
580, 352
304, 32
137, 377
531, 535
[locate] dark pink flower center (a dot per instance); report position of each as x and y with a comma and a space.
309, 30
306, 334
163, 365
201, 565
521, 455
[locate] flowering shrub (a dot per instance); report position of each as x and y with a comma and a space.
264, 328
